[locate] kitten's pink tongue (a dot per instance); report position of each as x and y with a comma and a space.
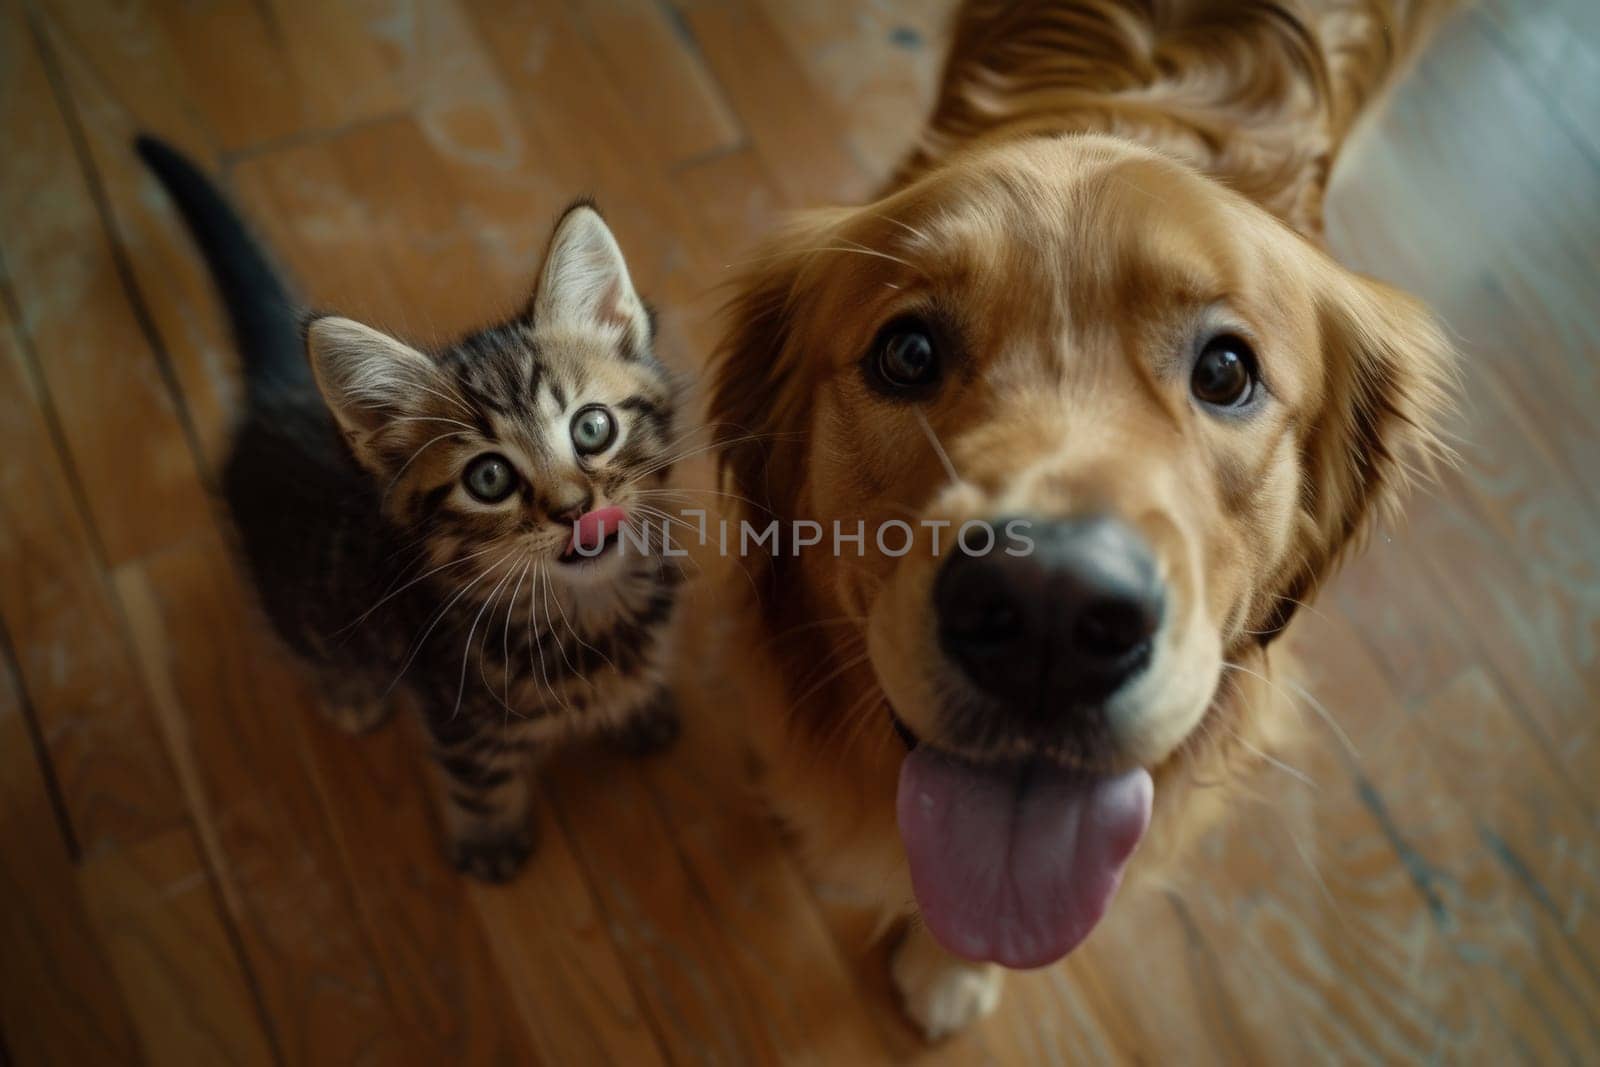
1016, 866
592, 527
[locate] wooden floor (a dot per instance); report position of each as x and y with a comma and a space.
194, 870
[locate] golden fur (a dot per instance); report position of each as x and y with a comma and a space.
1100, 184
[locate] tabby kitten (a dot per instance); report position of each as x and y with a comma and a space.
449, 521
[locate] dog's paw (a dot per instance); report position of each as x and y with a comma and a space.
492, 856
940, 993
649, 731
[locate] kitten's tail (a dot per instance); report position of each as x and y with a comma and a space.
266, 325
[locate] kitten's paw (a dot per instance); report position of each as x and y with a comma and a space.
492, 855
942, 993
649, 731
355, 716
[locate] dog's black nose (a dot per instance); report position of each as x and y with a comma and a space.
1064, 624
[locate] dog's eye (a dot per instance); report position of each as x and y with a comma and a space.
1225, 374
906, 356
490, 478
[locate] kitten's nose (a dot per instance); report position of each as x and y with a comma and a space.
571, 505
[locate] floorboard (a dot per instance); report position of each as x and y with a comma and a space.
195, 868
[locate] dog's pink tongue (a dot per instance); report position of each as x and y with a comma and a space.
592, 527
1016, 866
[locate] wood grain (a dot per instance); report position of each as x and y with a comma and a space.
876, 65
59, 1002
560, 955
414, 909
194, 868
240, 712
172, 282
66, 632
656, 72
122, 425
156, 913
789, 123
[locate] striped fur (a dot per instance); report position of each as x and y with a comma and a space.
379, 566
506, 646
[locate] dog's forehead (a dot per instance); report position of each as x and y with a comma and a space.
1032, 245
1068, 211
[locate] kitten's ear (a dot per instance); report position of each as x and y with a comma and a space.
370, 381
585, 284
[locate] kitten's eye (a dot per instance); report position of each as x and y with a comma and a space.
906, 357
593, 430
1225, 374
490, 478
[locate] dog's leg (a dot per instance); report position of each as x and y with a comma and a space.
941, 993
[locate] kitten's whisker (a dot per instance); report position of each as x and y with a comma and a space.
433, 418
483, 643
667, 542
424, 530
535, 644
539, 645
423, 418
488, 687
456, 400
550, 631
505, 635
560, 645
438, 617
573, 630
450, 382
666, 456
668, 518
388, 596
684, 436
690, 491
668, 461
466, 651
389, 486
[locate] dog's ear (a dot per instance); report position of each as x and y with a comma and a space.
1389, 375
760, 400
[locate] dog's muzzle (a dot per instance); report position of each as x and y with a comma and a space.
1057, 628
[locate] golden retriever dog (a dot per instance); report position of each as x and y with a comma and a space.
1090, 337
